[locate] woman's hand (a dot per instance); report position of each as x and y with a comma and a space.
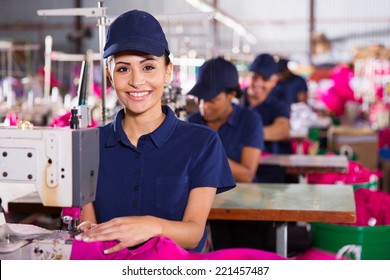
128, 231
134, 230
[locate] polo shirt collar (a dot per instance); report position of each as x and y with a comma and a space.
234, 116
159, 136
116, 130
162, 134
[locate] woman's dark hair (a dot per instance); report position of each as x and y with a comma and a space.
231, 90
167, 59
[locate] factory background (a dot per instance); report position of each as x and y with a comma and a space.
282, 27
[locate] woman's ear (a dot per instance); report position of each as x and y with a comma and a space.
168, 74
109, 75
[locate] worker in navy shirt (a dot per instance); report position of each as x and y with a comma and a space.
240, 129
263, 96
295, 86
157, 175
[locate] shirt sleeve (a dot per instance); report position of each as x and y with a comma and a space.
254, 136
212, 168
281, 109
302, 85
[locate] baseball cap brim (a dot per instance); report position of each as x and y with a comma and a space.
265, 73
136, 44
204, 92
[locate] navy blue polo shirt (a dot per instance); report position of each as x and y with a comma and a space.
244, 128
155, 177
270, 109
292, 87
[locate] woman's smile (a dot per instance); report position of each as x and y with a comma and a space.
139, 94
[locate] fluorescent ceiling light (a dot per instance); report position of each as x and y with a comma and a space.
224, 19
201, 6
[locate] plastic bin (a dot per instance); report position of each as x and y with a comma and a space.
369, 185
374, 241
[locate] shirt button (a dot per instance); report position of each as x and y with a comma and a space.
134, 204
147, 137
137, 172
136, 187
137, 155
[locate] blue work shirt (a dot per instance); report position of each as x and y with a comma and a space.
270, 109
294, 85
156, 177
244, 128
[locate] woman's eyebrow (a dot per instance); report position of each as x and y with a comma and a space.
122, 62
147, 59
141, 61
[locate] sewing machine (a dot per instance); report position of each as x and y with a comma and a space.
61, 163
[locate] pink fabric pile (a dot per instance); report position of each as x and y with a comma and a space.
163, 248
372, 208
357, 174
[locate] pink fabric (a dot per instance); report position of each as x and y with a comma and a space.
305, 146
384, 138
333, 101
357, 174
316, 254
236, 254
372, 204
163, 248
336, 96
12, 119
63, 121
73, 212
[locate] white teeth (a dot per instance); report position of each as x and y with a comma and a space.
139, 94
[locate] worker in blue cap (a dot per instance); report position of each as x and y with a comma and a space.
264, 96
295, 86
240, 129
158, 175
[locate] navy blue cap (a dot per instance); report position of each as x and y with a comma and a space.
282, 65
265, 65
214, 76
135, 31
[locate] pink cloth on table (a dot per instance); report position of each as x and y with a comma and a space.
371, 204
316, 254
237, 254
63, 121
73, 212
305, 146
357, 174
163, 248
384, 138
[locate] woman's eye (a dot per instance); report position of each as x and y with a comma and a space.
122, 69
148, 67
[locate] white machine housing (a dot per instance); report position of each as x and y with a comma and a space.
61, 163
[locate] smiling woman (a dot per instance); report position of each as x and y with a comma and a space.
139, 194
139, 80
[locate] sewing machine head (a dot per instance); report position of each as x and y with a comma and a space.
61, 163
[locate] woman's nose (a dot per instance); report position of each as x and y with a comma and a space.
137, 78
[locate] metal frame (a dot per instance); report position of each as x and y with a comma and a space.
100, 14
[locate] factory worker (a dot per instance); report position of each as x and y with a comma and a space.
263, 96
240, 129
158, 175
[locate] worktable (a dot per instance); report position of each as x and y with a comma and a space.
261, 202
308, 164
285, 202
